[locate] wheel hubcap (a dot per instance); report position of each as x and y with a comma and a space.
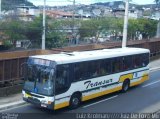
75, 101
126, 87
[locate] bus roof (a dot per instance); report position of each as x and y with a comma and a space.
64, 57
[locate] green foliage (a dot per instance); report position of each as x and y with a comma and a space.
95, 27
7, 43
133, 27
59, 31
55, 39
88, 28
34, 32
13, 30
56, 35
148, 27
114, 26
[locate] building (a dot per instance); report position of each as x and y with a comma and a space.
119, 13
155, 15
135, 14
59, 14
27, 13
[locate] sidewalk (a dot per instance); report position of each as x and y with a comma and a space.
16, 100
155, 64
11, 101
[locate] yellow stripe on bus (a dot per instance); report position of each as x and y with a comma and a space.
144, 78
88, 97
84, 98
61, 105
124, 77
130, 76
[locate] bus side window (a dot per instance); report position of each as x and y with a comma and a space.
92, 69
136, 61
81, 71
108, 66
117, 64
104, 67
127, 62
145, 59
78, 71
62, 79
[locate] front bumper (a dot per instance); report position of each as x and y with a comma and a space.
38, 103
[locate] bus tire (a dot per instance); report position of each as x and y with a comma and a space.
75, 101
126, 85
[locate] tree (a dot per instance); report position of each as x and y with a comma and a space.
14, 31
55, 36
88, 28
142, 26
133, 28
71, 30
116, 28
34, 32
148, 27
99, 27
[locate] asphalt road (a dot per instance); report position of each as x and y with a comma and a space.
144, 98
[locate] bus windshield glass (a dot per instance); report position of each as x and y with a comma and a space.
39, 79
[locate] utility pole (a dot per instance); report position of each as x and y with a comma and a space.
125, 27
0, 8
44, 26
73, 19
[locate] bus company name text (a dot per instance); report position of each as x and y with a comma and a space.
90, 84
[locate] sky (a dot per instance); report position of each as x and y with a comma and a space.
67, 2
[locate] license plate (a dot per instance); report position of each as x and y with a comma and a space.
43, 105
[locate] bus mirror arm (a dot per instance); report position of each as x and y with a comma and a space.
22, 69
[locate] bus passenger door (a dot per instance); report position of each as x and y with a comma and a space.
62, 84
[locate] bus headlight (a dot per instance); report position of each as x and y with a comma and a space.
46, 102
49, 102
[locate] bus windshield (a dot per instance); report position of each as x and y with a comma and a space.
39, 79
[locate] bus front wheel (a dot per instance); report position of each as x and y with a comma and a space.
75, 101
125, 85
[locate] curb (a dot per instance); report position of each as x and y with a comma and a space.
12, 105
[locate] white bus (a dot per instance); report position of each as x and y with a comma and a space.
66, 79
